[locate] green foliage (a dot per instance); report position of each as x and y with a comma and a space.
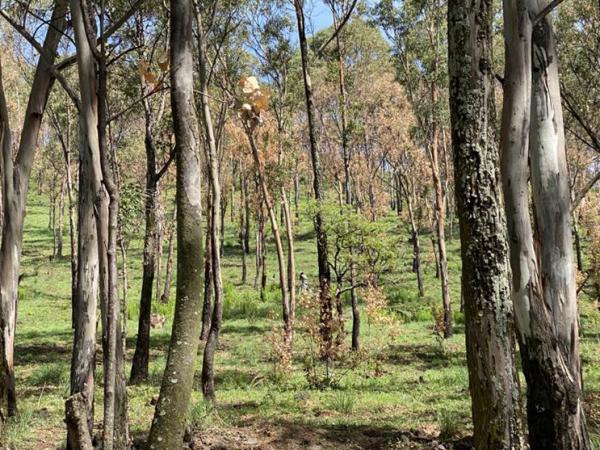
131, 211
356, 241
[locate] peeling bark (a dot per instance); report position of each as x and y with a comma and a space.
543, 283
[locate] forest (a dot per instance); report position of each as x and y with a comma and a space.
299, 224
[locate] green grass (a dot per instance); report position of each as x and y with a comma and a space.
416, 385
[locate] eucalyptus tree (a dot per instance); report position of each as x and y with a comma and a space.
541, 247
215, 226
84, 347
15, 183
578, 34
490, 344
150, 46
216, 23
99, 207
176, 388
275, 51
326, 303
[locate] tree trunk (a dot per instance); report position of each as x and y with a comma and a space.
439, 213
577, 238
296, 190
217, 212
94, 98
223, 210
66, 147
247, 222
434, 249
414, 236
263, 256
84, 347
326, 315
166, 294
208, 284
543, 283
139, 365
490, 344
15, 184
61, 221
171, 410
115, 429
77, 422
243, 230
160, 218
283, 280
52, 223
258, 251
291, 267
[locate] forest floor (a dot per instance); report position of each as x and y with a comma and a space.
412, 395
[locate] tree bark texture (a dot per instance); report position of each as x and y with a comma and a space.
490, 344
171, 410
15, 184
543, 281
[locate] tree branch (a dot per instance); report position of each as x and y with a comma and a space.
547, 10
108, 33
43, 54
164, 169
581, 194
339, 28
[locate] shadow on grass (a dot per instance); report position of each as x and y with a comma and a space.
41, 353
244, 329
296, 435
159, 342
424, 356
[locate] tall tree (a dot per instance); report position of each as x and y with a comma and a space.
215, 222
84, 345
154, 173
15, 184
485, 267
326, 302
543, 282
171, 410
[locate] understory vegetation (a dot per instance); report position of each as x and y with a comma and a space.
414, 393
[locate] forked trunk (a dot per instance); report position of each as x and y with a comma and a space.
543, 282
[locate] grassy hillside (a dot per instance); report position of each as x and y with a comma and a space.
415, 393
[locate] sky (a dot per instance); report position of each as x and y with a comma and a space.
318, 14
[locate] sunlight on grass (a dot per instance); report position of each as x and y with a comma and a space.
418, 383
